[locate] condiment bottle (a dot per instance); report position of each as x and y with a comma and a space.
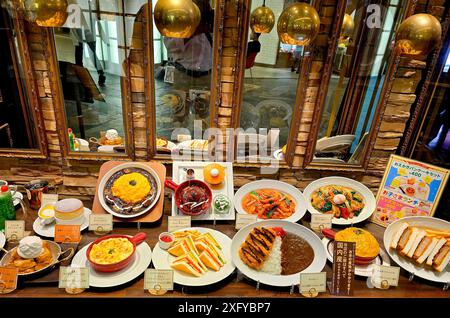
71, 139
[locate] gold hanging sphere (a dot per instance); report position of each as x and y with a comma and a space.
298, 24
419, 34
348, 25
46, 13
177, 18
262, 20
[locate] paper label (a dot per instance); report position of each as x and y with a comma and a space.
73, 277
67, 233
169, 75
385, 276
313, 283
176, 223
14, 230
8, 278
243, 220
101, 222
321, 221
343, 268
158, 279
48, 198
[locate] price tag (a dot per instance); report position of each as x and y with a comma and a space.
48, 198
176, 223
343, 268
73, 277
158, 282
101, 222
67, 233
313, 283
321, 221
385, 276
245, 219
14, 230
8, 279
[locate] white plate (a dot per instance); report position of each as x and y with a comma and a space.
360, 270
320, 255
49, 230
405, 263
2, 239
278, 154
161, 260
227, 188
17, 197
295, 193
331, 142
101, 187
140, 263
369, 198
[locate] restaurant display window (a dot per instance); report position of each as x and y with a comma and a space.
95, 53
270, 86
350, 98
183, 56
18, 116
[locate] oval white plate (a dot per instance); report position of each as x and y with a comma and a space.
320, 255
108, 175
161, 260
141, 262
404, 262
17, 197
301, 205
49, 230
369, 198
360, 270
2, 239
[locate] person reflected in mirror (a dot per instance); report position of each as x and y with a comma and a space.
192, 57
90, 39
253, 48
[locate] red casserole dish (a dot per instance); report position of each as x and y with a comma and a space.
109, 268
189, 194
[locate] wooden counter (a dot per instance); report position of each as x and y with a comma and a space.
231, 287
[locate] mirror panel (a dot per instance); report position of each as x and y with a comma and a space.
17, 124
92, 55
359, 70
183, 81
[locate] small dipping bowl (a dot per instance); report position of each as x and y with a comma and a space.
221, 204
165, 240
46, 214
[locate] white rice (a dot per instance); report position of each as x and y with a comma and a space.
272, 265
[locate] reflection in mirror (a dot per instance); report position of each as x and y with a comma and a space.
359, 70
92, 51
17, 129
183, 69
270, 87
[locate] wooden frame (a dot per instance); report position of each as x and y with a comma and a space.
29, 90
61, 119
323, 89
216, 84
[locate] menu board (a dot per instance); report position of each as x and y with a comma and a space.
343, 268
409, 188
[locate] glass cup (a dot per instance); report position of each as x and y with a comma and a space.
34, 192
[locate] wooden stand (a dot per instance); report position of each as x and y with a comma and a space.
150, 217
